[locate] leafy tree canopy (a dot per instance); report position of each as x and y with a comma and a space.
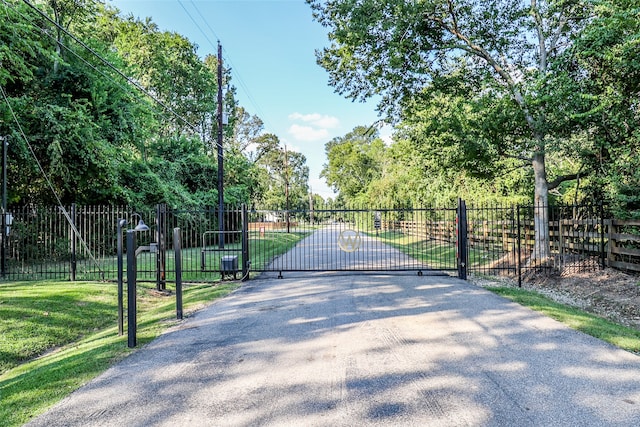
97, 137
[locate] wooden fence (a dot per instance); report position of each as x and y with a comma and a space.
623, 244
618, 241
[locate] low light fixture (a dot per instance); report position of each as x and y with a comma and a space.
141, 225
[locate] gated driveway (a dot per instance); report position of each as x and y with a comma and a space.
355, 349
340, 247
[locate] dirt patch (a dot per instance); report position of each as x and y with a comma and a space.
609, 293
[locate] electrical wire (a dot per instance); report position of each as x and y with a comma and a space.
49, 183
114, 68
126, 89
234, 70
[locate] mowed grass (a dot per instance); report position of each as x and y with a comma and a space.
435, 254
56, 336
621, 336
35, 317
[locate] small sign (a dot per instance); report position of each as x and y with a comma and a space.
349, 240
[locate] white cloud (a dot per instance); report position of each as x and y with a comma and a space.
319, 186
308, 133
386, 134
292, 148
316, 120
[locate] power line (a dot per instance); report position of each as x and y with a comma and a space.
125, 89
197, 25
114, 68
227, 57
49, 183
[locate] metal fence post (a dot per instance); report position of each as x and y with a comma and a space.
119, 245
161, 254
74, 259
519, 236
602, 252
132, 326
4, 235
462, 239
246, 262
177, 248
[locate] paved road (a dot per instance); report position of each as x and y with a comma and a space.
358, 350
321, 251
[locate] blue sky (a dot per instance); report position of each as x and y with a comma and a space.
270, 46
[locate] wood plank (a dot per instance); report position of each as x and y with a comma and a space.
624, 265
626, 222
626, 251
624, 237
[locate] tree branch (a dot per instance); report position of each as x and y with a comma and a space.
556, 36
562, 178
542, 66
517, 157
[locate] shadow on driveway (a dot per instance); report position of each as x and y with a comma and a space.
355, 349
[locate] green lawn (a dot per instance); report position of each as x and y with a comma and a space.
56, 336
435, 254
620, 336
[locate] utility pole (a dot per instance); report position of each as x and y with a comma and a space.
3, 248
311, 205
220, 155
286, 185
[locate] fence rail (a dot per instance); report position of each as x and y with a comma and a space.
79, 242
623, 250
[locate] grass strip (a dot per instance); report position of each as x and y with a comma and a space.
621, 336
83, 349
56, 336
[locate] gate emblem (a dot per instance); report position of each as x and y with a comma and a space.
349, 240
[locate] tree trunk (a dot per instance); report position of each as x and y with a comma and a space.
541, 249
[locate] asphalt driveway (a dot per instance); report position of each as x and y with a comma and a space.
358, 350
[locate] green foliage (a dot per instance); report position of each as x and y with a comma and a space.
416, 171
353, 162
603, 72
482, 90
283, 175
99, 139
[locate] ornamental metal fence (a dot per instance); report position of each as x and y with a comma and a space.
80, 242
359, 240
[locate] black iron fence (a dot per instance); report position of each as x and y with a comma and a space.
354, 240
80, 242
502, 240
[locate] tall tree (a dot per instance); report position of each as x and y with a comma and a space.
288, 176
353, 162
599, 80
167, 65
64, 13
395, 48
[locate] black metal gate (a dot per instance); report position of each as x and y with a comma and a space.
82, 245
420, 240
